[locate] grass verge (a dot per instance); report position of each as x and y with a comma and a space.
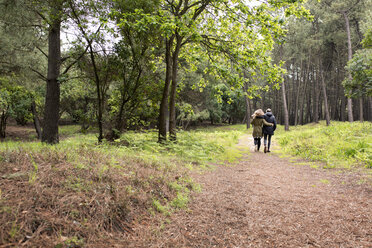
78, 193
340, 145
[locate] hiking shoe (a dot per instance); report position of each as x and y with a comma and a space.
265, 149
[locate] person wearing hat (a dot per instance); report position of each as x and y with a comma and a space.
268, 131
258, 122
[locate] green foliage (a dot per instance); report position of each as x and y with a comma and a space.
180, 201
341, 145
199, 146
360, 67
15, 101
160, 208
367, 41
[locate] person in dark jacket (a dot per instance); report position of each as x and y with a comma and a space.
258, 122
268, 131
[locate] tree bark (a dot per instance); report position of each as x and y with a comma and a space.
3, 118
52, 99
163, 111
316, 97
350, 55
247, 107
328, 121
173, 92
285, 109
99, 95
36, 119
369, 108
304, 89
361, 117
298, 95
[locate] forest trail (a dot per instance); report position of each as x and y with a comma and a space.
267, 201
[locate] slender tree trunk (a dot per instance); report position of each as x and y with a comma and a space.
335, 104
342, 108
328, 121
2, 124
85, 124
298, 95
285, 109
247, 107
316, 97
100, 101
173, 93
350, 55
310, 108
304, 89
361, 117
36, 119
52, 98
163, 112
369, 108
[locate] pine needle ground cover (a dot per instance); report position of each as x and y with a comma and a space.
340, 145
78, 193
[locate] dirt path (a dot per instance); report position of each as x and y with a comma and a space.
266, 201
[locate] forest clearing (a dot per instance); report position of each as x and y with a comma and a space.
185, 123
208, 191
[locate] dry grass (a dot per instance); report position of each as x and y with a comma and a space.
47, 201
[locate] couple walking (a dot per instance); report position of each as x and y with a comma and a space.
263, 125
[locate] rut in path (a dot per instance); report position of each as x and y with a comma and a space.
266, 201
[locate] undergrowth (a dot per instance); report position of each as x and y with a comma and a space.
78, 193
340, 145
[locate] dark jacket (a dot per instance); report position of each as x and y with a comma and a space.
258, 122
270, 118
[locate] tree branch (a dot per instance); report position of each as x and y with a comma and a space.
38, 73
75, 61
43, 17
38, 48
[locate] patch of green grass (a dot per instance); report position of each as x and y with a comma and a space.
324, 181
340, 145
160, 208
180, 201
69, 130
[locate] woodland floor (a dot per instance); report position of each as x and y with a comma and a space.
264, 201
268, 201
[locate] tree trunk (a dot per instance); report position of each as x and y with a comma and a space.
298, 95
173, 93
2, 124
247, 107
361, 117
370, 108
342, 108
52, 98
163, 111
100, 101
328, 121
85, 124
316, 97
285, 109
350, 55
36, 119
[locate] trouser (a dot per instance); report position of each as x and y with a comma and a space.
257, 141
266, 136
